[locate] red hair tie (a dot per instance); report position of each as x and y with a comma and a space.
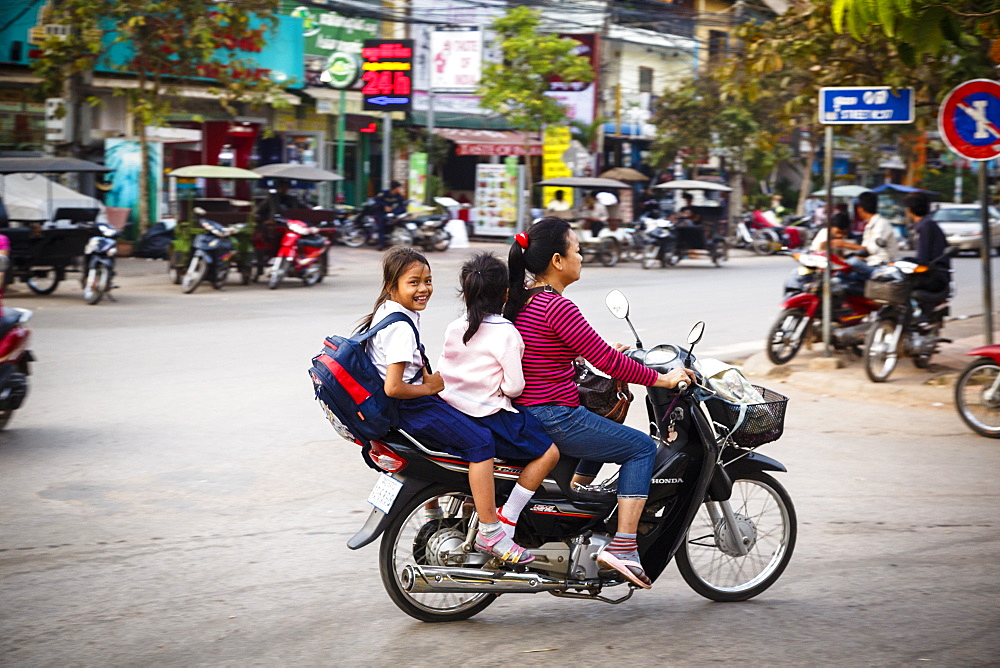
522, 239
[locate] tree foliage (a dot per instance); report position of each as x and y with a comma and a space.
915, 27
516, 87
166, 43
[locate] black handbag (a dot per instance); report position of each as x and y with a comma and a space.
604, 396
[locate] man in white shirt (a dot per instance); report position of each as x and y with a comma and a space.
878, 238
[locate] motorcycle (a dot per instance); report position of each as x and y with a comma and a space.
362, 229
14, 356
211, 257
303, 254
668, 243
800, 319
765, 235
977, 391
99, 264
713, 504
895, 331
427, 232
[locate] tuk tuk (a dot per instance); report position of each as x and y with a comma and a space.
672, 239
191, 212
47, 243
616, 240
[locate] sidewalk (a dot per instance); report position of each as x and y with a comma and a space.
907, 386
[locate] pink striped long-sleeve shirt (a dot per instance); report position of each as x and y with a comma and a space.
555, 333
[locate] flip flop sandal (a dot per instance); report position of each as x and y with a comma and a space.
632, 570
515, 556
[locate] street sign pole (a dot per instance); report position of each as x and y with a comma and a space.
984, 217
386, 150
828, 182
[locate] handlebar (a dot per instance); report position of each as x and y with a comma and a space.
683, 385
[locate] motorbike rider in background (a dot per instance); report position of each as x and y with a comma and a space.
878, 241
931, 246
388, 201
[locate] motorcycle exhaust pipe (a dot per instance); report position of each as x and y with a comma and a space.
440, 580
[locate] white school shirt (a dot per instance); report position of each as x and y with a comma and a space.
396, 343
481, 377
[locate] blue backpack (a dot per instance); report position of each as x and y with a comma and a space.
349, 387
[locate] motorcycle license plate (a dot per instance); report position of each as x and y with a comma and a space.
384, 493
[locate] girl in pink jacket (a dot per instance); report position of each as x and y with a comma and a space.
481, 369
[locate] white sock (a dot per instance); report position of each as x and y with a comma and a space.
515, 504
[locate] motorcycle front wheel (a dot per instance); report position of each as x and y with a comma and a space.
194, 275
767, 523
400, 236
352, 236
441, 240
765, 242
414, 540
96, 283
609, 253
277, 273
786, 336
977, 397
881, 350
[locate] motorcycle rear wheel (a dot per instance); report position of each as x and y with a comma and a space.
881, 350
194, 275
785, 337
407, 541
720, 252
95, 284
765, 242
978, 410
400, 236
441, 240
766, 517
221, 274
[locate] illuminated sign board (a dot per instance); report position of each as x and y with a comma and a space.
386, 73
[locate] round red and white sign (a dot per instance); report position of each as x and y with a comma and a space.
969, 119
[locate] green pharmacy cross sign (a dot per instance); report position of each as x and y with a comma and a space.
342, 70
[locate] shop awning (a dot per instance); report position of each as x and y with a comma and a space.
490, 142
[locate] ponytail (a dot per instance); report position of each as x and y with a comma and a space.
484, 286
531, 253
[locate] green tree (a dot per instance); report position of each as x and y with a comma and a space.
168, 42
516, 87
915, 27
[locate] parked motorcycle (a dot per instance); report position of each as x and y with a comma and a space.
712, 504
99, 264
668, 243
977, 391
895, 331
801, 316
766, 235
427, 232
211, 257
14, 356
303, 254
362, 227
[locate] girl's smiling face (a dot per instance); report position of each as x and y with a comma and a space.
414, 287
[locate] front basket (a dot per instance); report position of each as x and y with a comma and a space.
762, 423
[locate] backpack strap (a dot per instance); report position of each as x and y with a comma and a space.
393, 318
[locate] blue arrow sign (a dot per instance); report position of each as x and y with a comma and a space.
383, 100
864, 106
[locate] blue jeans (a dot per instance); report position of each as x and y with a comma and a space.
579, 433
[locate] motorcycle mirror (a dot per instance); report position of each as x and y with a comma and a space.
617, 303
694, 336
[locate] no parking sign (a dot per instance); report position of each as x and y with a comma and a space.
969, 119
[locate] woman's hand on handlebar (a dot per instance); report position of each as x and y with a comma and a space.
674, 377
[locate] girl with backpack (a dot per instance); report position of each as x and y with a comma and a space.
394, 351
481, 367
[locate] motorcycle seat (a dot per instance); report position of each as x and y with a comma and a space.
8, 320
930, 297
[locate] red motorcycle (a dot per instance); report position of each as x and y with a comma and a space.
303, 254
14, 356
977, 392
801, 311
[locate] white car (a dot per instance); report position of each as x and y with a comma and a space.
962, 227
